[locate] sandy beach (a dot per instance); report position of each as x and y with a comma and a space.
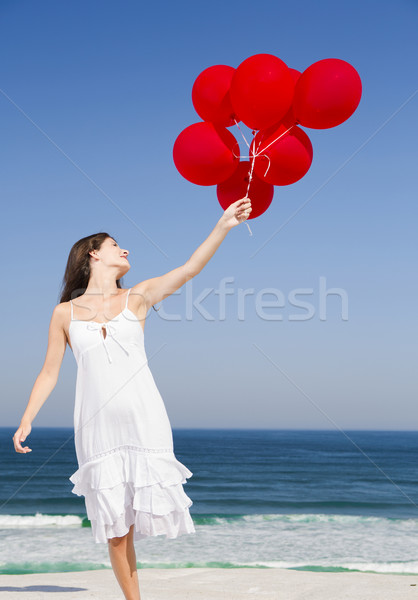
211, 584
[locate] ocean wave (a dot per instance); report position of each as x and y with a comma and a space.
388, 568
40, 520
71, 520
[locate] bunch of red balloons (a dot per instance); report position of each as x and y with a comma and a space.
272, 100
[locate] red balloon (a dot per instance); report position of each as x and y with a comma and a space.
210, 95
295, 74
289, 118
206, 154
287, 159
261, 90
326, 94
234, 188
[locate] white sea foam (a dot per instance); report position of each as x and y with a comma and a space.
38, 520
290, 541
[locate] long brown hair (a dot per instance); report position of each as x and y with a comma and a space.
77, 272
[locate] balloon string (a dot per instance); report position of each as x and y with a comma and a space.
245, 139
240, 156
268, 146
274, 141
254, 155
250, 176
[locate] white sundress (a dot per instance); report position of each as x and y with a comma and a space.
128, 472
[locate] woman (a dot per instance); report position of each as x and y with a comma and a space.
128, 473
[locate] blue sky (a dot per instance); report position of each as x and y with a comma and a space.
93, 96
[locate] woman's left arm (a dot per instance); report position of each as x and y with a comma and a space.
156, 289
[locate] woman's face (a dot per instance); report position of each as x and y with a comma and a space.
111, 255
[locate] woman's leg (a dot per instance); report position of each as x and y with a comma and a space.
123, 559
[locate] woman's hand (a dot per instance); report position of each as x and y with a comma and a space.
237, 212
20, 436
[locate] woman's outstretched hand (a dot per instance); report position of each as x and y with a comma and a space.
237, 212
20, 436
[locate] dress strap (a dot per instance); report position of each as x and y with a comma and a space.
72, 312
127, 296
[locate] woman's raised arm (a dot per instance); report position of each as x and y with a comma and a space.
156, 289
47, 378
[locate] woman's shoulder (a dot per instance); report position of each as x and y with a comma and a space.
62, 309
60, 314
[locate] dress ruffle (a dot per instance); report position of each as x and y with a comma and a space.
128, 487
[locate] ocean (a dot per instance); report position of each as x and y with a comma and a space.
294, 499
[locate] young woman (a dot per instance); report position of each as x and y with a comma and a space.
128, 473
